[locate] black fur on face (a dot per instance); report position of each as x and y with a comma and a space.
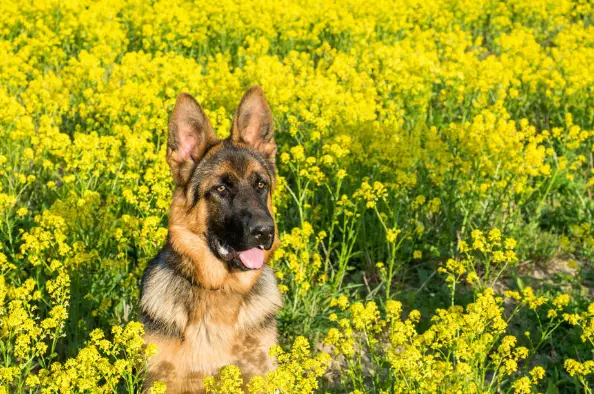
235, 184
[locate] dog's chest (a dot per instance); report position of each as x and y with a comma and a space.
226, 324
216, 329
212, 333
213, 338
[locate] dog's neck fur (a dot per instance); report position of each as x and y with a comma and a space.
174, 298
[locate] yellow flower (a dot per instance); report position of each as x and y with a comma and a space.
414, 316
571, 318
537, 373
342, 302
522, 386
561, 301
384, 116
229, 381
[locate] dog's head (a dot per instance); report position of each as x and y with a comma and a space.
223, 196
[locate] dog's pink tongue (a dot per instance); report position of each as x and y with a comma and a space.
253, 258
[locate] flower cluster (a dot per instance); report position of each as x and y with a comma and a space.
464, 349
485, 257
406, 135
297, 371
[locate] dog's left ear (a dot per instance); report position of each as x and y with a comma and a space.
253, 125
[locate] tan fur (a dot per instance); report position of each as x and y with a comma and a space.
226, 332
207, 315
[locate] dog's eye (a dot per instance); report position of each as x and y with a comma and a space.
221, 188
261, 185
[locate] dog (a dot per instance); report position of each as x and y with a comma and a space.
209, 298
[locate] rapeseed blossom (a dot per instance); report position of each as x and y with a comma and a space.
429, 153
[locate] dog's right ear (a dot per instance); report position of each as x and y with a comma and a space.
190, 136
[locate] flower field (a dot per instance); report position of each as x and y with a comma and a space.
434, 202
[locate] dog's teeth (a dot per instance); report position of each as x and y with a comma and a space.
223, 250
261, 247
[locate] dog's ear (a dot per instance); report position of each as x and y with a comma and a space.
253, 125
190, 136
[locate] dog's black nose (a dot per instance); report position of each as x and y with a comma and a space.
263, 232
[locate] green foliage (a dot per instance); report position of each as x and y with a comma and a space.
435, 162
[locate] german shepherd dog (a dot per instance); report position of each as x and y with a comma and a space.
209, 298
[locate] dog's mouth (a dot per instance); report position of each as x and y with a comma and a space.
251, 259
